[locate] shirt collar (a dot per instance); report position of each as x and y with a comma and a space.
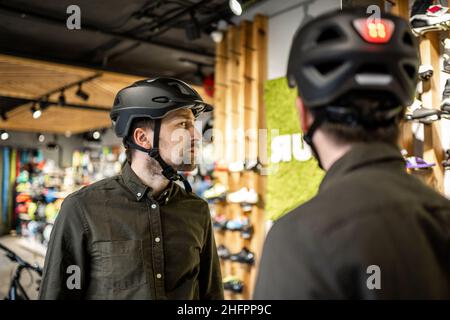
167, 193
363, 155
140, 190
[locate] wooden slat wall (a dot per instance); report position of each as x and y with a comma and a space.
431, 98
401, 8
241, 61
27, 78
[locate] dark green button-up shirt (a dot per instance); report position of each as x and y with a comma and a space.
369, 213
125, 244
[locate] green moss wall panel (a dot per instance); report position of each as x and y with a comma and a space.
292, 183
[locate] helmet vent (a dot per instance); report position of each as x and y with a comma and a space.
329, 34
328, 67
161, 99
180, 88
410, 70
407, 39
372, 68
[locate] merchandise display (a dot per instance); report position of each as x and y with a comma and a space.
243, 256
39, 187
425, 72
446, 162
446, 55
418, 163
427, 17
233, 284
243, 195
445, 102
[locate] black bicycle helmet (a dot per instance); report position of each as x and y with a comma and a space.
352, 69
154, 99
344, 51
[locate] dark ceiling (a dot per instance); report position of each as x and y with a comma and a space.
139, 37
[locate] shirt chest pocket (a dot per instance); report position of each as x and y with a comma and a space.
122, 264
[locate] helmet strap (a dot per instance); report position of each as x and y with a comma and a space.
167, 171
348, 117
319, 118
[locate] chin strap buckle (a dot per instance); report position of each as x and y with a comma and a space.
154, 152
170, 174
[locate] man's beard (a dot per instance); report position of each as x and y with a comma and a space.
153, 166
186, 161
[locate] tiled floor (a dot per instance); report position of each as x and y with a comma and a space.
7, 267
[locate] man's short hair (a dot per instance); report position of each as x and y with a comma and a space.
345, 134
143, 123
370, 103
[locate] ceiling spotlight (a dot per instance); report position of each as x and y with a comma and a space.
222, 25
37, 112
96, 135
235, 7
4, 135
193, 31
217, 36
43, 104
41, 137
82, 94
62, 98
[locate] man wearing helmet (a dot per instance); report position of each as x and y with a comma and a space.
140, 235
372, 231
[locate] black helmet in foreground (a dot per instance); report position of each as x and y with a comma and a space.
354, 69
154, 99
348, 51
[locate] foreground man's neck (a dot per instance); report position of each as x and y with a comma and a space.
151, 177
329, 152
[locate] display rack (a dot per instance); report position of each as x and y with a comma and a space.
430, 149
240, 72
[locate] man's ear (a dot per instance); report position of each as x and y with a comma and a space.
142, 138
305, 115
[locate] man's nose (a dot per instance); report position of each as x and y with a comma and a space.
195, 133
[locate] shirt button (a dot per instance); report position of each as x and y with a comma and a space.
153, 206
139, 194
157, 239
159, 275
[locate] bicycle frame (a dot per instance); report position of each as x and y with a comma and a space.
16, 291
